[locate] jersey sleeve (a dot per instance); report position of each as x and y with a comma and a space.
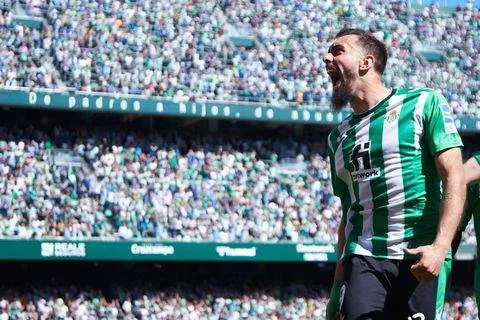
476, 156
440, 130
336, 185
473, 197
333, 176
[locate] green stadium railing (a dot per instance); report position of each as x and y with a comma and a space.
28, 21
243, 41
132, 104
123, 250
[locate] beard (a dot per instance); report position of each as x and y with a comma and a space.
340, 97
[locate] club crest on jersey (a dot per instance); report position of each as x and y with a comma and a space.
362, 164
392, 116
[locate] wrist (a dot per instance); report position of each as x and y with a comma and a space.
333, 305
444, 246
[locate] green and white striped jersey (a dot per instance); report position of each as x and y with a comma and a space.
384, 172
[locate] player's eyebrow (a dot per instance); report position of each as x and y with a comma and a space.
335, 46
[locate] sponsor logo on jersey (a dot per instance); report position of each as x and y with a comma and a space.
448, 121
364, 175
362, 163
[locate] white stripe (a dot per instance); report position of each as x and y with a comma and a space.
394, 181
418, 118
364, 246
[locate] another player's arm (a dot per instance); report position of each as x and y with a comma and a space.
449, 166
472, 171
472, 175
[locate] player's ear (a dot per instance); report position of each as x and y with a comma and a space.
367, 62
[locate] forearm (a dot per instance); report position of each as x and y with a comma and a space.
451, 209
333, 306
340, 246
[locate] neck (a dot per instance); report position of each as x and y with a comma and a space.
367, 96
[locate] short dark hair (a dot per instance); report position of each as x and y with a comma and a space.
371, 44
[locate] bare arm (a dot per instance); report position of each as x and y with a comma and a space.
333, 306
341, 244
450, 167
472, 171
472, 175
431, 257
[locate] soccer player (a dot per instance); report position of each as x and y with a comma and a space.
390, 160
472, 178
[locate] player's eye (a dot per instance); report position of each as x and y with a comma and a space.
336, 51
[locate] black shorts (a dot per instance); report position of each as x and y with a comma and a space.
386, 289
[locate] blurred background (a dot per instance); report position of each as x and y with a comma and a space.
167, 159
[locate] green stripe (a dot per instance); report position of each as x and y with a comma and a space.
442, 284
379, 187
411, 165
356, 220
424, 222
332, 138
340, 188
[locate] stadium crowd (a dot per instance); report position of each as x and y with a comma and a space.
24, 56
163, 185
459, 37
166, 185
183, 49
181, 301
172, 185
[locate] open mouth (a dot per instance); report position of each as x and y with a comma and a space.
335, 76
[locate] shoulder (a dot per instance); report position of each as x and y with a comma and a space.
414, 92
430, 100
419, 98
335, 135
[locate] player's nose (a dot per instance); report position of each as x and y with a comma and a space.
328, 57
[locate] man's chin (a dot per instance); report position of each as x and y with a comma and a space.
339, 100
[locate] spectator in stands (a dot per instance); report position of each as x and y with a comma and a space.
163, 186
175, 302
183, 51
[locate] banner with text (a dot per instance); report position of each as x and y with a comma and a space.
162, 251
101, 102
102, 250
